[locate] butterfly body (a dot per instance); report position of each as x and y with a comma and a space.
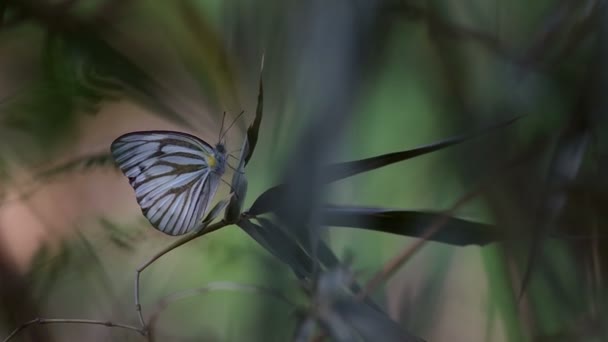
217, 162
175, 175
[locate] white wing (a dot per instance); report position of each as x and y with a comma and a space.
169, 172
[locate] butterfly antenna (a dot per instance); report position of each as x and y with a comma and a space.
222, 126
232, 124
230, 155
233, 168
230, 186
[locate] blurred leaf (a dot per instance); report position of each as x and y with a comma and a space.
45, 269
71, 70
38, 119
206, 56
281, 245
305, 330
74, 254
566, 161
99, 71
78, 253
77, 164
325, 257
215, 211
334, 283
268, 200
413, 223
371, 324
239, 186
586, 204
78, 70
118, 236
331, 93
345, 317
83, 163
235, 207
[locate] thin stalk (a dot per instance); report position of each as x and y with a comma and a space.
182, 241
40, 321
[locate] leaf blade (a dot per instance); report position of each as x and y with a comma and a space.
413, 223
254, 128
267, 200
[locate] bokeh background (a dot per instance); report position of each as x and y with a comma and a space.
381, 76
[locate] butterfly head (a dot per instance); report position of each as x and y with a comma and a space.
218, 161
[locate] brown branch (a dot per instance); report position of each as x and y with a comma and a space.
396, 262
41, 321
211, 287
182, 241
552, 29
445, 27
57, 17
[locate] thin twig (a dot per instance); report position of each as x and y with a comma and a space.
396, 262
414, 12
214, 286
182, 241
71, 321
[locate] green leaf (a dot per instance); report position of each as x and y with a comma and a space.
412, 223
346, 318
239, 186
252, 131
567, 159
281, 245
96, 71
268, 200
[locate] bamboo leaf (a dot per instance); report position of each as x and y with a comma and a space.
412, 223
268, 200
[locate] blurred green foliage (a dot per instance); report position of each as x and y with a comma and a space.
341, 82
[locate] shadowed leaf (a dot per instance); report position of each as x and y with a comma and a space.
411, 223
239, 186
268, 200
77, 164
117, 236
325, 255
281, 245
565, 164
305, 330
204, 53
101, 71
346, 318
252, 131
215, 211
83, 163
371, 324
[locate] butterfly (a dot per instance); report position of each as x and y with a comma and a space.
175, 176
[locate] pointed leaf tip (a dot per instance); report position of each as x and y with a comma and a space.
253, 130
267, 201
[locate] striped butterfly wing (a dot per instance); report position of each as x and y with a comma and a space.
171, 176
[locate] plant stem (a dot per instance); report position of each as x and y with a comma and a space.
214, 286
37, 321
396, 262
182, 241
